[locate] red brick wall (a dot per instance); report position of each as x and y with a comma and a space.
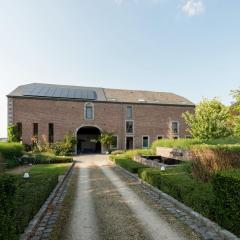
151, 120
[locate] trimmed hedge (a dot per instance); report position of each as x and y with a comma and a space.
128, 164
7, 209
45, 158
20, 200
226, 187
186, 143
10, 153
195, 194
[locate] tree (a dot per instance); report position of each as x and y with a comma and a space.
236, 111
211, 120
13, 133
106, 139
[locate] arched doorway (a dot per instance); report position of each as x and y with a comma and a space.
87, 140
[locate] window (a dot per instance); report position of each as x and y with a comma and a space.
159, 137
129, 126
175, 128
129, 112
145, 141
114, 144
19, 130
50, 132
35, 130
88, 113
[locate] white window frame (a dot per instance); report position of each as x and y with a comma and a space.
162, 137
127, 112
117, 143
175, 134
146, 136
132, 136
85, 113
126, 126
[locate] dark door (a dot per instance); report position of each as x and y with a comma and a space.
129, 143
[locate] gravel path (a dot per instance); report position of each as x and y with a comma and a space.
110, 206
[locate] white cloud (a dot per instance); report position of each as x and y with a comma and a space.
193, 7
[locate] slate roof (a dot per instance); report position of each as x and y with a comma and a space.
40, 90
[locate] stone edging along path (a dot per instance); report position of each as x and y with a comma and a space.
200, 224
40, 226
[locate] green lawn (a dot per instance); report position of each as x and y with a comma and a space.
58, 169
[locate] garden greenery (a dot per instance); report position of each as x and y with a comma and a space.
211, 120
13, 133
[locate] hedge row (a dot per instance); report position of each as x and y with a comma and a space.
226, 188
186, 143
128, 164
217, 200
20, 200
10, 153
45, 158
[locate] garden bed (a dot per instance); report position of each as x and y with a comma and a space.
21, 199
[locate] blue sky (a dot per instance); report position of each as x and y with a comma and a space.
189, 47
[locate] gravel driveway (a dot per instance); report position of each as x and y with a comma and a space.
110, 206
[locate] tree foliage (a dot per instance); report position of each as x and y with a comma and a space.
236, 110
13, 133
106, 139
211, 120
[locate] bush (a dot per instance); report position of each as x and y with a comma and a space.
151, 176
182, 187
129, 164
208, 159
45, 158
226, 187
7, 220
10, 153
183, 143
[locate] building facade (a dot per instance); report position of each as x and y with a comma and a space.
136, 118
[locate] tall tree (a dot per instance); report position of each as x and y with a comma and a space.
236, 111
211, 120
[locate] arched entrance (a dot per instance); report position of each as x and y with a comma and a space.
87, 140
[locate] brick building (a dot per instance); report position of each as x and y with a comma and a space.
136, 118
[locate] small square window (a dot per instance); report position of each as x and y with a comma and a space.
159, 137
145, 142
129, 126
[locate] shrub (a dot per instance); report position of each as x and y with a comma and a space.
226, 187
208, 159
7, 220
183, 143
13, 134
182, 187
116, 152
151, 176
129, 164
132, 153
10, 153
45, 158
64, 148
